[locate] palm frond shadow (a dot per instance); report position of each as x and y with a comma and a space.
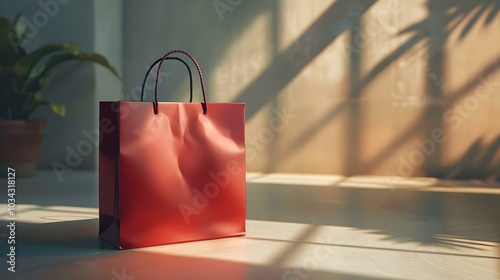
431, 34
477, 162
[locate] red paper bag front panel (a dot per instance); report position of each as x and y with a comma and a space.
181, 173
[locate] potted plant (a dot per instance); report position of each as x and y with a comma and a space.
23, 76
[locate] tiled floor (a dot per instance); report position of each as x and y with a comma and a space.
299, 227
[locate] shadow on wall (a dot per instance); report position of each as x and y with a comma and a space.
338, 18
445, 18
432, 34
476, 163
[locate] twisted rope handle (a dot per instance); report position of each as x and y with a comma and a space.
170, 58
204, 104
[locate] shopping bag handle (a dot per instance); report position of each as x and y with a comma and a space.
204, 104
172, 58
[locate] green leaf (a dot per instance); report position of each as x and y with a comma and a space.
58, 108
23, 76
93, 57
37, 80
21, 28
24, 66
43, 81
37, 72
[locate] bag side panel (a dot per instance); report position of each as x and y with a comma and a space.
109, 218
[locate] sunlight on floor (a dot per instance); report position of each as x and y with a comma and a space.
32, 213
294, 179
334, 249
375, 182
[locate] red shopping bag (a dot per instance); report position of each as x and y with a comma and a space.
171, 171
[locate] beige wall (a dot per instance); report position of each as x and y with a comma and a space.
378, 98
363, 83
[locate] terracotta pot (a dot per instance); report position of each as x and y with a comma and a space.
19, 146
